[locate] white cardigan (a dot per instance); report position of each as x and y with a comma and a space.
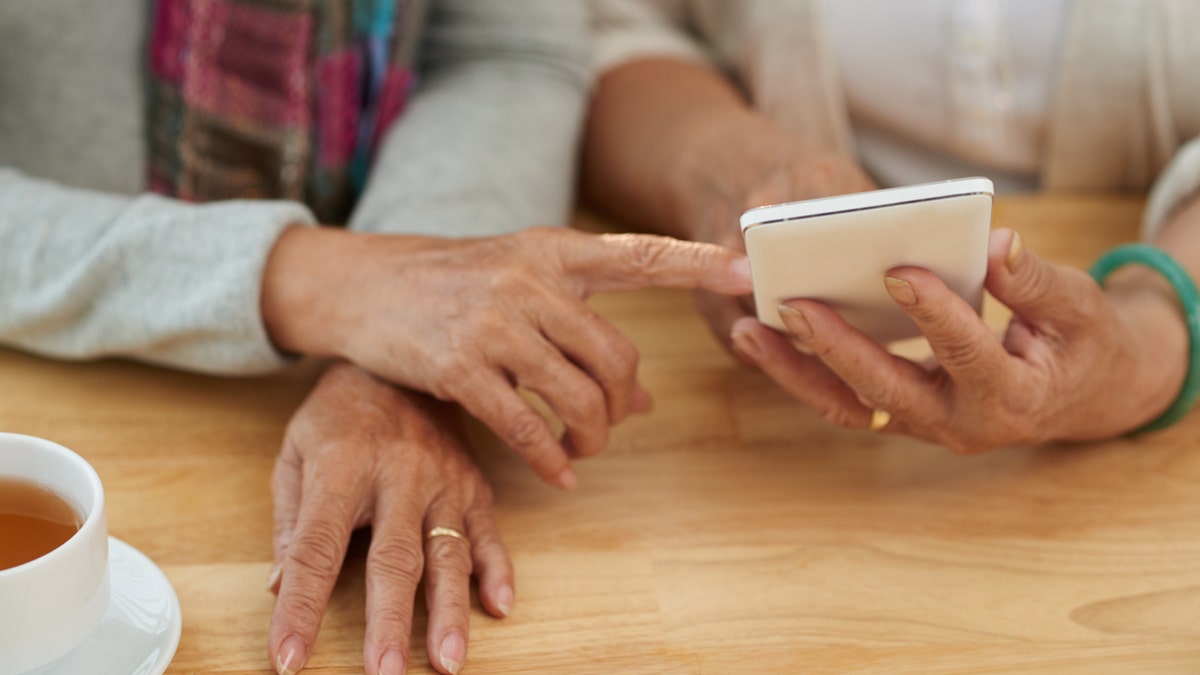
1127, 100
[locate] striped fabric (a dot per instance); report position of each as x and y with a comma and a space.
275, 99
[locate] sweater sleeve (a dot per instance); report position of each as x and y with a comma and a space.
488, 142
86, 274
624, 30
1177, 184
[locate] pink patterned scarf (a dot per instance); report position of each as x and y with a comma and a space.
276, 99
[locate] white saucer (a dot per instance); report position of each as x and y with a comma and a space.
139, 633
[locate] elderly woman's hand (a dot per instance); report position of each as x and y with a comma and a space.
742, 163
1077, 362
472, 320
674, 146
362, 452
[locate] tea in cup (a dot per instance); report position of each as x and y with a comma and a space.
54, 587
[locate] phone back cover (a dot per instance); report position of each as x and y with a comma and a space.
841, 258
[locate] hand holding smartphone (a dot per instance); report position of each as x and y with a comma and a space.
837, 250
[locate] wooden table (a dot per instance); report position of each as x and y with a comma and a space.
729, 531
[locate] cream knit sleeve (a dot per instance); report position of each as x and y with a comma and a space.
86, 274
623, 30
1177, 184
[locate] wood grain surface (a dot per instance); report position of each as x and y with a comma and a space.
728, 531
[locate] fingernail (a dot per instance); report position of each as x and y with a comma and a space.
901, 291
642, 401
745, 342
796, 322
566, 480
504, 599
392, 663
739, 270
273, 577
1014, 249
452, 653
291, 656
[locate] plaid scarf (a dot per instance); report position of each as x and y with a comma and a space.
275, 99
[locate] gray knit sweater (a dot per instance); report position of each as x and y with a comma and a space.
89, 266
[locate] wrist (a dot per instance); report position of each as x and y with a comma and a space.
1147, 305
724, 169
741, 161
297, 297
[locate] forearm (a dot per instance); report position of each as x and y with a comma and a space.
1144, 299
1150, 306
672, 147
312, 290
1180, 237
644, 144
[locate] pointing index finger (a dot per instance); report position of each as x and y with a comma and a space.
625, 262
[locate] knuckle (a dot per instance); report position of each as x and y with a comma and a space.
1038, 283
455, 602
318, 550
485, 538
489, 322
304, 610
526, 430
960, 353
587, 403
645, 253
924, 314
401, 561
459, 377
884, 397
511, 280
504, 279
623, 358
391, 618
446, 555
827, 351
490, 551
452, 366
449, 555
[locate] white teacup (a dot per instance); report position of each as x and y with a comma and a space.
50, 605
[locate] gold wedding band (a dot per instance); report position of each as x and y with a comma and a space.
440, 531
879, 419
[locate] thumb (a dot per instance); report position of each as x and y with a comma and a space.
285, 496
626, 262
1035, 290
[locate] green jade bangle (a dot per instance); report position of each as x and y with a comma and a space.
1189, 297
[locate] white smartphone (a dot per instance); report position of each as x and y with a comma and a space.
837, 250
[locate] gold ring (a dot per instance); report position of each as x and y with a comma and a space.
440, 531
879, 419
